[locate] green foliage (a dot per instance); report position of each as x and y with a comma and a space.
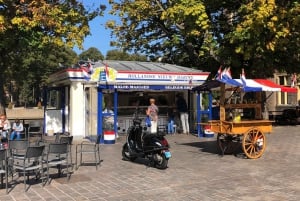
36, 36
260, 36
31, 74
176, 30
92, 54
123, 56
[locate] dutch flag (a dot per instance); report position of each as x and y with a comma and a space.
294, 80
226, 74
219, 74
243, 77
87, 70
107, 72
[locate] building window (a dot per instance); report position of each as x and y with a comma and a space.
282, 80
284, 97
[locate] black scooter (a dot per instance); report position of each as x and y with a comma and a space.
142, 144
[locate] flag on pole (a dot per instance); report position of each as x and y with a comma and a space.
191, 82
107, 72
219, 74
90, 68
226, 73
87, 70
243, 77
293, 80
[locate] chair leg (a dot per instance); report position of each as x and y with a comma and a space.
1, 180
59, 170
24, 176
76, 167
99, 158
43, 176
70, 155
68, 171
80, 162
6, 181
48, 177
96, 161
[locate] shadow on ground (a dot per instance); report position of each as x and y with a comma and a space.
212, 147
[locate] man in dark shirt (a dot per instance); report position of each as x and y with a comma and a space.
183, 112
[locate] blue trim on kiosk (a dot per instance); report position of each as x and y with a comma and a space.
100, 130
201, 113
100, 117
143, 87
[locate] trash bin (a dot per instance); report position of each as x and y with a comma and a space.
207, 131
109, 137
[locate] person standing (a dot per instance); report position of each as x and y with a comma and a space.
108, 119
152, 112
17, 128
171, 120
183, 112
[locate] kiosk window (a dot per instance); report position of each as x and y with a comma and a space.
54, 99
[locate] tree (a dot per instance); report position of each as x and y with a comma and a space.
92, 54
266, 36
260, 36
40, 64
124, 56
178, 31
27, 26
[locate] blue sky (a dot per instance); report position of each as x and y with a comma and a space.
100, 37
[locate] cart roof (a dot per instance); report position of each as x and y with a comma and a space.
247, 85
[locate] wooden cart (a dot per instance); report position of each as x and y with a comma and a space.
250, 133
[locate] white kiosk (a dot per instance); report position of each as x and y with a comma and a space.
76, 97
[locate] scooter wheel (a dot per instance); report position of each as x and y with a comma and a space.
161, 162
126, 155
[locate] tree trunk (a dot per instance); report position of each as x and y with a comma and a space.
2, 95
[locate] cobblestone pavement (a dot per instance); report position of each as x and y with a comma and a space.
196, 172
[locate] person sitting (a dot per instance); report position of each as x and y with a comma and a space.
5, 127
17, 128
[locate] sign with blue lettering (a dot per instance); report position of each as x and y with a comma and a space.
102, 76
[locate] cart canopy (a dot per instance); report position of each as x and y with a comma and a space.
271, 84
246, 85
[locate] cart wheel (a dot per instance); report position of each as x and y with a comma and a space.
228, 143
254, 143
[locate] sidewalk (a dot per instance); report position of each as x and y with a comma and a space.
196, 172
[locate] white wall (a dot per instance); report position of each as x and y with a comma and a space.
77, 117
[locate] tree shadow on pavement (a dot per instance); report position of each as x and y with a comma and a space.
212, 147
207, 146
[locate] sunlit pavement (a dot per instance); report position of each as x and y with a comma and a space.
196, 172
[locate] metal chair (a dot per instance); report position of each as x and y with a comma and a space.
35, 129
3, 168
31, 162
17, 148
89, 148
58, 156
69, 141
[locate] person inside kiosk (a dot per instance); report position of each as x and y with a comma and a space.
108, 119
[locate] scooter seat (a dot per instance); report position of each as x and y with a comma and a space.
148, 136
160, 133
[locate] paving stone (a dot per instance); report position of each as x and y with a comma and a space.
196, 172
